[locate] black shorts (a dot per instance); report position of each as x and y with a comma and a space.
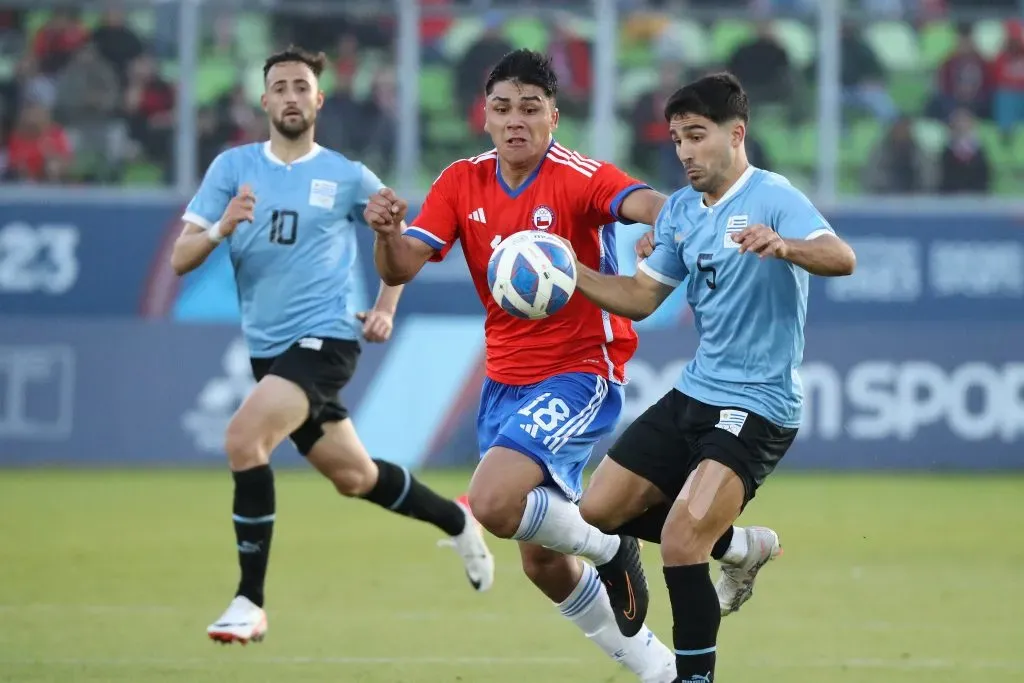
321, 367
667, 442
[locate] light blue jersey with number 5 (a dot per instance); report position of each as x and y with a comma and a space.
749, 312
293, 264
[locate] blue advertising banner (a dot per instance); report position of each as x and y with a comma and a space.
878, 396
89, 259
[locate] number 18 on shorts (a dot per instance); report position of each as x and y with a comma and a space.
555, 422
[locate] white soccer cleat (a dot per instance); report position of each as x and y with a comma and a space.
663, 660
470, 545
735, 585
241, 622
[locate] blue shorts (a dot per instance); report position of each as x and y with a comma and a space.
555, 422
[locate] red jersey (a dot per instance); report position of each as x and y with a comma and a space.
568, 195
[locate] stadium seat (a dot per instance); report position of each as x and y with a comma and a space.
460, 36
895, 43
693, 39
142, 173
573, 133
727, 35
938, 40
252, 36
798, 40
633, 83
857, 146
931, 135
528, 32
910, 90
216, 76
142, 21
990, 36
437, 90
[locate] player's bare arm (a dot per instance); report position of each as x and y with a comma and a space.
634, 297
195, 244
825, 255
642, 206
379, 321
398, 258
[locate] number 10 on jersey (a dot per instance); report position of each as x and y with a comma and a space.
284, 227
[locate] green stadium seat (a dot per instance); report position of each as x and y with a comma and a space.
990, 36
895, 43
573, 133
142, 21
694, 39
143, 173
857, 146
931, 135
252, 83
437, 89
34, 21
999, 153
252, 36
633, 83
727, 35
583, 26
938, 40
216, 76
910, 90
528, 32
460, 37
8, 65
798, 39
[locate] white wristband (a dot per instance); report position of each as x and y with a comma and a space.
214, 233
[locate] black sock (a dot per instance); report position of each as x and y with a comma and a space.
722, 544
254, 525
695, 620
398, 491
647, 526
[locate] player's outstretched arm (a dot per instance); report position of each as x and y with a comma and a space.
826, 254
196, 243
634, 297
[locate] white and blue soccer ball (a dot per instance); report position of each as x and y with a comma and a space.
532, 274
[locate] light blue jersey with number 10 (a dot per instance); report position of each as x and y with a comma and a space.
293, 264
749, 312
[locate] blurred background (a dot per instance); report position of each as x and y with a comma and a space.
899, 505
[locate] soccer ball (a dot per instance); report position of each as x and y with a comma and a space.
532, 275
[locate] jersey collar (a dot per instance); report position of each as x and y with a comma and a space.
305, 157
529, 180
732, 191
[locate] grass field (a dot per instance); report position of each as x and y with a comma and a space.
113, 577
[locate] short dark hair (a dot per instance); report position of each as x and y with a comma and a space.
316, 62
526, 67
718, 97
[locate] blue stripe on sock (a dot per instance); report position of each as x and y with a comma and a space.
538, 509
405, 490
692, 653
586, 597
253, 520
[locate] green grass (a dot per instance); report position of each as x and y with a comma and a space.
113, 576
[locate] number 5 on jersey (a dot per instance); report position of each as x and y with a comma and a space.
284, 227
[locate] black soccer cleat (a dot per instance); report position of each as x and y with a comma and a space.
624, 579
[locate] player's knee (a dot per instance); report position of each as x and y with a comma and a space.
682, 542
547, 569
498, 511
352, 482
601, 512
243, 448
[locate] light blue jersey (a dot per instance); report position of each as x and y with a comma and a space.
293, 264
749, 312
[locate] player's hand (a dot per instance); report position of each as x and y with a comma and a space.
385, 212
763, 241
242, 207
377, 325
644, 246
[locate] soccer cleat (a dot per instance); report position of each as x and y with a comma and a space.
470, 545
735, 585
241, 622
623, 578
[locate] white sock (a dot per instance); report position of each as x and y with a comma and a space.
553, 522
588, 607
738, 549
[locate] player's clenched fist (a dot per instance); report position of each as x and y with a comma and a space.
385, 212
240, 208
644, 246
761, 240
377, 325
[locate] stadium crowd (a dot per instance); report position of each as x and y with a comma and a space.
931, 101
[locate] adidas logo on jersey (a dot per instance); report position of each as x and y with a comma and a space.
478, 216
